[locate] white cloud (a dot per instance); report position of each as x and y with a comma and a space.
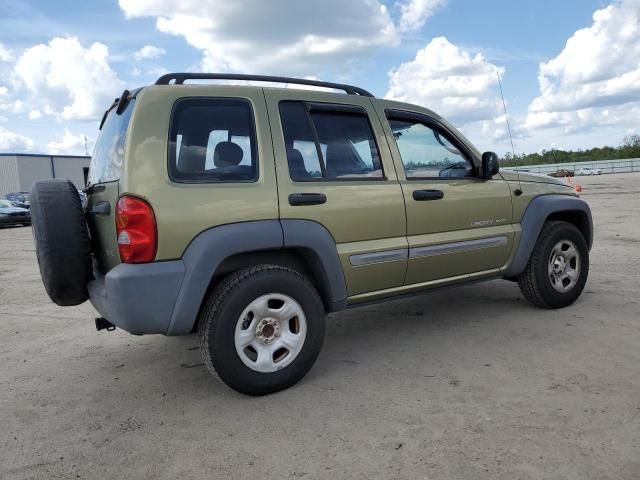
6, 55
497, 131
595, 80
69, 144
299, 37
149, 52
35, 114
414, 13
8, 105
67, 80
10, 141
450, 81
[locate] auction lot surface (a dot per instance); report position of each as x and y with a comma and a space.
469, 383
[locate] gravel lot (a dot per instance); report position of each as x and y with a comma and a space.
469, 383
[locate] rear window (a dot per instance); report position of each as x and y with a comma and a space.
17, 197
212, 140
328, 143
106, 161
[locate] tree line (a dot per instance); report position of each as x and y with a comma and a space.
629, 148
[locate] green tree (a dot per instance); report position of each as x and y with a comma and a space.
629, 148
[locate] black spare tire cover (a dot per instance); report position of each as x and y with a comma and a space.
62, 241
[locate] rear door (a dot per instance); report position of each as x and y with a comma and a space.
332, 169
458, 224
103, 181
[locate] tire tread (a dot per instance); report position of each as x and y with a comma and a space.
62, 241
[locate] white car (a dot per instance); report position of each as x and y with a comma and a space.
590, 171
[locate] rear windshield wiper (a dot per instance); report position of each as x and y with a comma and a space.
93, 188
106, 112
120, 103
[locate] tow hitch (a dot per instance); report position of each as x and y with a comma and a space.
104, 324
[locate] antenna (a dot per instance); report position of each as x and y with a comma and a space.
506, 117
86, 150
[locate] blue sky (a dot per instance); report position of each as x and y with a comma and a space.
62, 61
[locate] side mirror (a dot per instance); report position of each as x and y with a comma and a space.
490, 165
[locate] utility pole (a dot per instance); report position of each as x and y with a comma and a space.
86, 150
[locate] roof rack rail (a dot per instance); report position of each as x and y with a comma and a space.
179, 79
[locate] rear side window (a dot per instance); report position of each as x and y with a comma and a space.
108, 154
329, 144
212, 140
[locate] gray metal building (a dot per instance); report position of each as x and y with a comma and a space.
18, 171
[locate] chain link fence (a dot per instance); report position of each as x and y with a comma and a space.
606, 166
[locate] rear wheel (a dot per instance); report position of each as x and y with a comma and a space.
558, 268
261, 329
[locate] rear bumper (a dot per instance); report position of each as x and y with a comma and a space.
138, 298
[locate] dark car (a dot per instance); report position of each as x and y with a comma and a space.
562, 173
19, 199
12, 215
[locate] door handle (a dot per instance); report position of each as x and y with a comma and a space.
424, 195
101, 208
307, 198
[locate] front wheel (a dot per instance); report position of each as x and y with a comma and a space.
558, 268
262, 329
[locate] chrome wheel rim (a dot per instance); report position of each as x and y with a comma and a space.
270, 332
564, 266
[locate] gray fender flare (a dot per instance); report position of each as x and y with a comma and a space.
320, 251
210, 248
537, 212
203, 256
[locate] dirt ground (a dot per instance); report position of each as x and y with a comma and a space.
469, 383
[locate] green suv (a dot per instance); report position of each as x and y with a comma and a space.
246, 213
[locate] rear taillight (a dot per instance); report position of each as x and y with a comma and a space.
136, 230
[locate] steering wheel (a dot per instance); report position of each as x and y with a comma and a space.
459, 166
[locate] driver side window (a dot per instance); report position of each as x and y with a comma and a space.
426, 153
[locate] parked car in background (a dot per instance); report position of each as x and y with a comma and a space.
590, 171
561, 173
19, 199
12, 215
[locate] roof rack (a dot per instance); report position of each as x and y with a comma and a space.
179, 79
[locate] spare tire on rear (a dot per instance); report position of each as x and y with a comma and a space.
62, 241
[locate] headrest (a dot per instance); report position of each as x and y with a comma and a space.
338, 157
295, 158
227, 154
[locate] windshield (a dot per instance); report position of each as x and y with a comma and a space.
5, 204
106, 161
16, 197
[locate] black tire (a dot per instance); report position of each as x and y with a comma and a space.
535, 282
62, 241
221, 313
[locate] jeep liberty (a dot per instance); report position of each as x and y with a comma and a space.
246, 213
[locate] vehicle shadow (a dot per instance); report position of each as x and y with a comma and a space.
379, 337
9, 227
